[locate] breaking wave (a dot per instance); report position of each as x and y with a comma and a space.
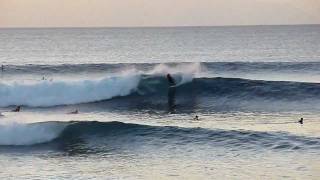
54, 93
144, 86
191, 79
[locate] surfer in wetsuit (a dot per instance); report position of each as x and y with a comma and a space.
171, 93
170, 80
300, 121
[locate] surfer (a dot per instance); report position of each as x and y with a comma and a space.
300, 121
196, 118
74, 112
17, 109
171, 93
170, 80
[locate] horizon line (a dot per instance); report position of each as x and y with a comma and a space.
127, 27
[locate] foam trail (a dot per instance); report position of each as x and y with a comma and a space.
29, 134
48, 93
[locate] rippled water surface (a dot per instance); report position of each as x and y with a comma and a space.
249, 86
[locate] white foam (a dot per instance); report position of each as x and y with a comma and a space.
29, 134
48, 93
186, 71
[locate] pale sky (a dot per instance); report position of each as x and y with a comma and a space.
117, 13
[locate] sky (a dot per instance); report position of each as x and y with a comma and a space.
132, 13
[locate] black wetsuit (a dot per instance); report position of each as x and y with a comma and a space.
171, 93
170, 80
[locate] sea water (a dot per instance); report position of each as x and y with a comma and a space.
248, 85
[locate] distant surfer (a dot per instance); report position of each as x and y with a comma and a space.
17, 109
300, 121
171, 93
196, 118
74, 112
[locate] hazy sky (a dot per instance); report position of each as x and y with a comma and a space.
82, 13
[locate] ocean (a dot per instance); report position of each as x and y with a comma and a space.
96, 103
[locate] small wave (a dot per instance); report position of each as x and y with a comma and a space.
122, 134
29, 134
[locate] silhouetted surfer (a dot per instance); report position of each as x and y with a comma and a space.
74, 112
17, 109
170, 80
301, 121
171, 93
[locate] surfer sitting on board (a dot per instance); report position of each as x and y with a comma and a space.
170, 80
17, 109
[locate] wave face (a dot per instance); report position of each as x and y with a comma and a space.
118, 134
236, 88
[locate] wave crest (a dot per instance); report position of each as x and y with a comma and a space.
54, 93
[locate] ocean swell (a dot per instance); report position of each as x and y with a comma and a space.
119, 134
